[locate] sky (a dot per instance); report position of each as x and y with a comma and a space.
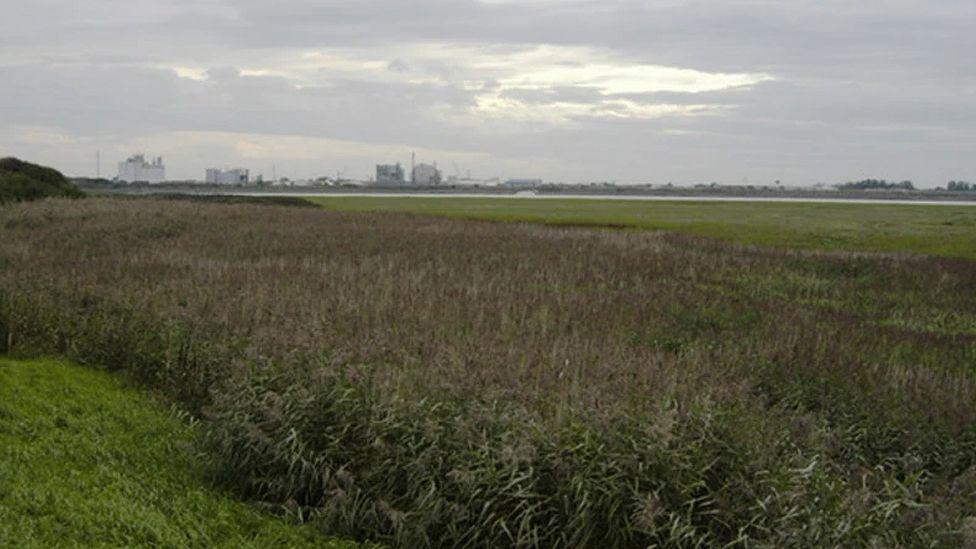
630, 91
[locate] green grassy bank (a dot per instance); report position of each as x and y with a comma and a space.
948, 231
85, 461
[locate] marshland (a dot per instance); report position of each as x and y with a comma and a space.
419, 380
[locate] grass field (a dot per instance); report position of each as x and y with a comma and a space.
87, 462
941, 230
422, 381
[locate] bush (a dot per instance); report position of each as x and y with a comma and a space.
22, 181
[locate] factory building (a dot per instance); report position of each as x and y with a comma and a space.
136, 168
389, 174
426, 175
235, 176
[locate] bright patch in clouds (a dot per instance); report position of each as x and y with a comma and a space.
620, 79
190, 73
550, 68
564, 112
493, 72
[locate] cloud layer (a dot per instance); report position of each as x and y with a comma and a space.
625, 90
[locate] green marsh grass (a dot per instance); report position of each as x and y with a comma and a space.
939, 230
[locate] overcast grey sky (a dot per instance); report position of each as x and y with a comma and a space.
800, 91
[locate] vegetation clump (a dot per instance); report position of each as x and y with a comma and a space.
21, 181
434, 382
876, 184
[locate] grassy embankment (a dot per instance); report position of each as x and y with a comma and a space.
85, 461
943, 230
424, 381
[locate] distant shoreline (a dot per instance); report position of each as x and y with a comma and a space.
922, 197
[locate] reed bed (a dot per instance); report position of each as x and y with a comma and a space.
435, 382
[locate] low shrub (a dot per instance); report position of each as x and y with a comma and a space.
20, 181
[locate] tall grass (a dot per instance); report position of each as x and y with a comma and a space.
427, 382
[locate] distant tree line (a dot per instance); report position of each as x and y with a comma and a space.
873, 184
961, 186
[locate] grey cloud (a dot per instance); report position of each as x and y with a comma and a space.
398, 65
128, 101
858, 84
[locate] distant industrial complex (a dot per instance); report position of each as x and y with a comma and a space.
234, 176
421, 175
136, 169
140, 169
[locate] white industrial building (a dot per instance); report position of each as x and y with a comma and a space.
234, 176
426, 174
136, 168
389, 174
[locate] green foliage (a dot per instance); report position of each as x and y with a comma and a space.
85, 461
21, 181
455, 473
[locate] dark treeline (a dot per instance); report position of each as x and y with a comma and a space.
873, 184
961, 186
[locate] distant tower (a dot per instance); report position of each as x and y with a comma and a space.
413, 164
98, 164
